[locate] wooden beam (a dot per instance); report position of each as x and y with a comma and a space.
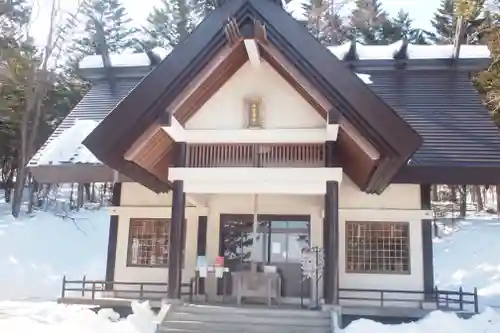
200, 80
253, 52
140, 144
364, 144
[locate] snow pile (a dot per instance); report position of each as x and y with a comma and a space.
436, 322
470, 258
21, 317
36, 252
68, 147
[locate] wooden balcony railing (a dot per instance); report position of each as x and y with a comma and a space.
256, 155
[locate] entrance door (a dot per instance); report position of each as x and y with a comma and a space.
280, 241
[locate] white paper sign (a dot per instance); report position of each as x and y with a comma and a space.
203, 272
219, 272
276, 248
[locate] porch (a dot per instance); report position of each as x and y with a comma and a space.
395, 305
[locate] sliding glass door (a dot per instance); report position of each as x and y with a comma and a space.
279, 242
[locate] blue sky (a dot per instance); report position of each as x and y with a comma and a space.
420, 10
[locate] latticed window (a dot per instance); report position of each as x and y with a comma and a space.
378, 247
148, 242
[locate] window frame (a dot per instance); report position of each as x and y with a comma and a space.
130, 238
386, 223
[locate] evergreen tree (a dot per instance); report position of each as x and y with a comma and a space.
109, 16
324, 22
444, 22
402, 28
369, 24
172, 21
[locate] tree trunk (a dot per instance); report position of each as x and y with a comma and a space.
497, 190
479, 198
17, 199
434, 193
463, 200
453, 193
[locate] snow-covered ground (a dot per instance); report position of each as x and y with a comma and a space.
49, 317
468, 255
36, 251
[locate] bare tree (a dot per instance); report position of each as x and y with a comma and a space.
31, 71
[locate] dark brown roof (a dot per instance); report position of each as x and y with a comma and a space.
369, 114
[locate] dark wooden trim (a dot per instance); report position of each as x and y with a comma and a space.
331, 243
453, 175
180, 151
175, 244
427, 247
75, 173
113, 237
201, 248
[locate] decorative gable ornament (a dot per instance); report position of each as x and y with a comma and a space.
253, 109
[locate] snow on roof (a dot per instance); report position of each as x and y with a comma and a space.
296, 9
122, 60
364, 52
386, 52
366, 78
67, 148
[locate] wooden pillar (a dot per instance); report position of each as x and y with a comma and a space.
427, 251
177, 227
331, 243
113, 238
331, 232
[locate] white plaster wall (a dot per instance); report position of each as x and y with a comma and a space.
282, 106
134, 194
396, 196
398, 203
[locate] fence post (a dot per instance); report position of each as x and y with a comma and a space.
63, 289
436, 297
382, 298
141, 291
476, 301
93, 289
83, 285
461, 298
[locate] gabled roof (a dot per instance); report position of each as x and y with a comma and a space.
352, 100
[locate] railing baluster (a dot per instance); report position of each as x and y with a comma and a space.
476, 302
461, 298
83, 286
255, 155
382, 298
63, 290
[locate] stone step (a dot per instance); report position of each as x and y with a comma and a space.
256, 311
249, 318
202, 327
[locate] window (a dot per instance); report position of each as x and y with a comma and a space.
148, 242
377, 247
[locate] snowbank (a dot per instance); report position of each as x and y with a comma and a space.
436, 322
470, 257
35, 252
22, 317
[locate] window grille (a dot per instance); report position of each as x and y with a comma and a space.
148, 242
377, 247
